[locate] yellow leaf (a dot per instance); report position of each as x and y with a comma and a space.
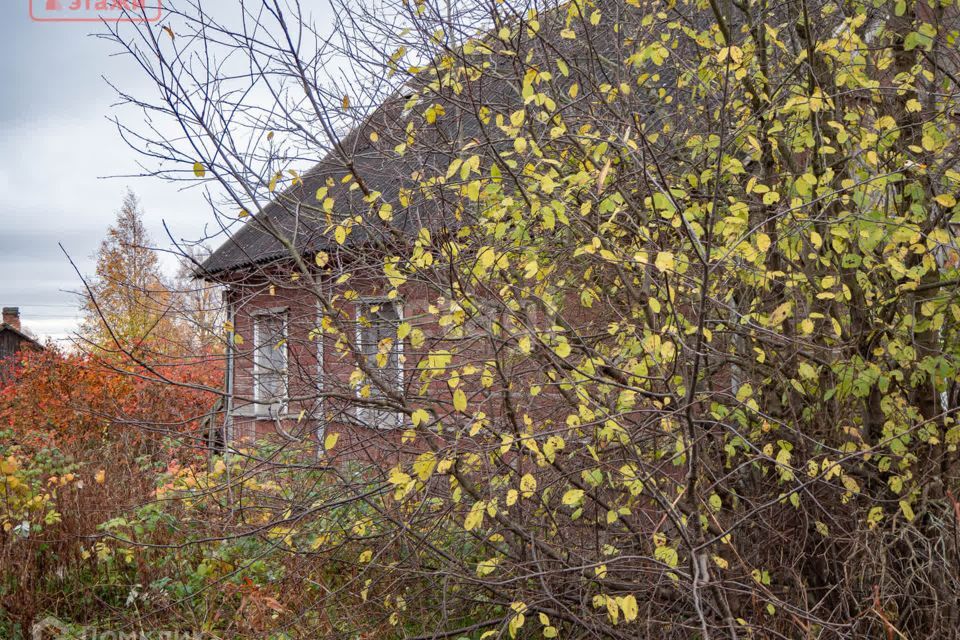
807, 371
525, 345
100, 476
629, 608
459, 400
666, 555
322, 258
472, 190
520, 145
199, 170
340, 234
417, 338
345, 103
434, 112
330, 441
946, 200
572, 497
486, 257
715, 502
487, 566
665, 260
528, 484
531, 269
780, 313
420, 416
424, 466
850, 484
907, 510
562, 349
475, 518
763, 242
398, 477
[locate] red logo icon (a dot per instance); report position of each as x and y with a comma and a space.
96, 10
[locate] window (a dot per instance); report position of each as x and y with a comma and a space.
378, 344
319, 408
270, 363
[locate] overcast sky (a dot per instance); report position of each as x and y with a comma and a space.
57, 151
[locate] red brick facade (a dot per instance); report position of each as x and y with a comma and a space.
321, 395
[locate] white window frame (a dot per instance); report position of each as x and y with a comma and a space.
273, 409
321, 381
360, 306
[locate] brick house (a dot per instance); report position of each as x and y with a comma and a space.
284, 376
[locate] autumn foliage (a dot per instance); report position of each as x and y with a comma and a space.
82, 440
87, 434
80, 402
681, 333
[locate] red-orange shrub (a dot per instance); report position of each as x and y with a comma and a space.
79, 402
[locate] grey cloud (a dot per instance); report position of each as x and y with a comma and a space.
56, 145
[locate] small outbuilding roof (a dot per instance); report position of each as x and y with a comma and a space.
23, 337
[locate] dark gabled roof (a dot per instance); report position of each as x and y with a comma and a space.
297, 215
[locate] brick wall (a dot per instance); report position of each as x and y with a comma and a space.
309, 415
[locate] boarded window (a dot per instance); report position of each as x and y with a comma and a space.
270, 363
